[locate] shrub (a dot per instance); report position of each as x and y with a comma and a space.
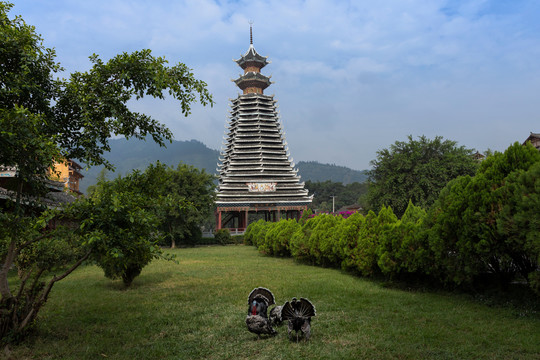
365, 254
487, 224
278, 236
300, 240
396, 250
322, 240
222, 236
347, 234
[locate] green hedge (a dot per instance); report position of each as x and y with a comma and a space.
486, 225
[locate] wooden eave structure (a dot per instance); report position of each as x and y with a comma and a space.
534, 138
257, 177
252, 59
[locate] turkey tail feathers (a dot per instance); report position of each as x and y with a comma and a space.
261, 292
298, 308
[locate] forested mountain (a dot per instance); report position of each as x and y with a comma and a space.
134, 154
315, 171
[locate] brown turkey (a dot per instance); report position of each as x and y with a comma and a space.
299, 314
257, 321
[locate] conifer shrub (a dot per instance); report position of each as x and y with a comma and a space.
322, 240
300, 241
260, 234
396, 252
265, 238
255, 232
482, 225
347, 234
519, 223
364, 256
277, 238
250, 232
488, 224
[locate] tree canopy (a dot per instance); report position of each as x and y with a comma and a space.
343, 195
181, 198
416, 170
81, 113
490, 220
44, 119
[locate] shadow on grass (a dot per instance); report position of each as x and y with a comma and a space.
518, 297
152, 279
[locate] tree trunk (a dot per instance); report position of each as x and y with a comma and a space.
173, 242
8, 262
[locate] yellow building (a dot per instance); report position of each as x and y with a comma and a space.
69, 173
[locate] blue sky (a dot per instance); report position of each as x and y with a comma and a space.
351, 77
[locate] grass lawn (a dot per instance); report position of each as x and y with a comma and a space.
196, 310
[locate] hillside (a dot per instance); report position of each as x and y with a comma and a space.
134, 154
315, 172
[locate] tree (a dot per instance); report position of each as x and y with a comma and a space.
519, 224
342, 195
487, 224
118, 227
43, 119
180, 198
416, 170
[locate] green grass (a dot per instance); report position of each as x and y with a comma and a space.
196, 309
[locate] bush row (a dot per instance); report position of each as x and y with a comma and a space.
481, 227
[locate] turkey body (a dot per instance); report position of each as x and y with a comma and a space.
275, 315
259, 325
299, 314
257, 318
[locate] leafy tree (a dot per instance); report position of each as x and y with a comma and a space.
119, 228
181, 198
416, 170
343, 195
43, 119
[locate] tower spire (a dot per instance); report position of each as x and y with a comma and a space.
250, 32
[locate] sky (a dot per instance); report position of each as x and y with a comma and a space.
350, 77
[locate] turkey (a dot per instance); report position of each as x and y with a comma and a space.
275, 315
299, 313
257, 321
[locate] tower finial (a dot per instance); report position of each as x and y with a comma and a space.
250, 32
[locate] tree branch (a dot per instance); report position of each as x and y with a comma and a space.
45, 294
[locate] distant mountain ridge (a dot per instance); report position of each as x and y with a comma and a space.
127, 155
315, 171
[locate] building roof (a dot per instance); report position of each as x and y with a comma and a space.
255, 167
53, 199
253, 79
534, 138
252, 58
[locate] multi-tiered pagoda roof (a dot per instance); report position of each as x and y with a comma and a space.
255, 167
